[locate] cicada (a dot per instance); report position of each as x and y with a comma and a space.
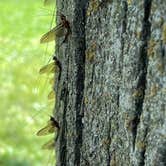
62, 29
49, 128
51, 95
51, 67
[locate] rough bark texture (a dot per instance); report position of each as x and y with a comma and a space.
112, 93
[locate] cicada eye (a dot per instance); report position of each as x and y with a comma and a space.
63, 17
51, 118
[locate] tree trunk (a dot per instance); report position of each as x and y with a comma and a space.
112, 93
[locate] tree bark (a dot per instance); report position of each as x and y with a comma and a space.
112, 93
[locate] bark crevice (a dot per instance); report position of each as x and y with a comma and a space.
124, 25
79, 32
109, 143
123, 32
64, 96
142, 68
63, 141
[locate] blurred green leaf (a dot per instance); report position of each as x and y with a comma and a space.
23, 91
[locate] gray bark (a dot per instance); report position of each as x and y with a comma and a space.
112, 93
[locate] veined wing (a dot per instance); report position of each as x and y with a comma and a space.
52, 80
46, 130
49, 128
51, 95
50, 68
57, 31
49, 145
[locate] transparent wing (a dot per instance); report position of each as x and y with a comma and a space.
46, 130
52, 80
57, 31
51, 95
50, 68
49, 145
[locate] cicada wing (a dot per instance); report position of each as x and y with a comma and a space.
51, 95
49, 36
48, 2
61, 32
50, 68
58, 31
52, 80
46, 130
49, 145
52, 129
55, 69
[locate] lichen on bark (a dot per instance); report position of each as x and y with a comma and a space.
112, 92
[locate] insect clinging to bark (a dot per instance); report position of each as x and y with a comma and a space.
51, 67
49, 128
62, 29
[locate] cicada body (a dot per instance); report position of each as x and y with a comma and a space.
62, 29
49, 128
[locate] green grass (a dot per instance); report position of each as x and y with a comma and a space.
23, 92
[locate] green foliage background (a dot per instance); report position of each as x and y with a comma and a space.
24, 107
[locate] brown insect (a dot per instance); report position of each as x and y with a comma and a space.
49, 128
62, 29
49, 68
52, 67
58, 63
